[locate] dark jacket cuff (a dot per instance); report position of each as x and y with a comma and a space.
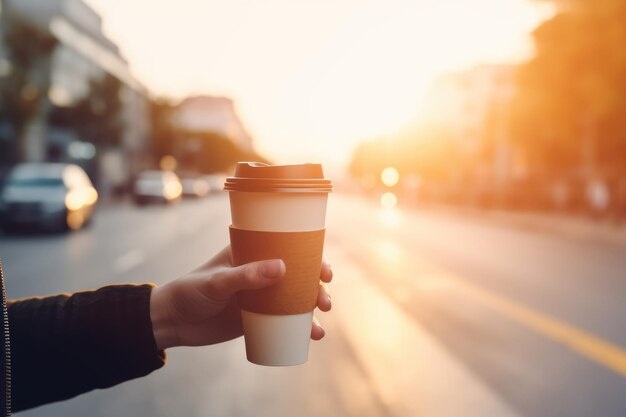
121, 333
65, 345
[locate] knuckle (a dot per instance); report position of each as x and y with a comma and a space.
215, 286
219, 282
249, 273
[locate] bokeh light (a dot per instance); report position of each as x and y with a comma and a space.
388, 200
168, 163
390, 176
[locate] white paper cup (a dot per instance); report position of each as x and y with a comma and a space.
278, 340
275, 212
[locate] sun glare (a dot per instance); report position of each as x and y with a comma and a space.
314, 78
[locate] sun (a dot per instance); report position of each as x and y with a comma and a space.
317, 77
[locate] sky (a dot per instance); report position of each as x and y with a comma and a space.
311, 78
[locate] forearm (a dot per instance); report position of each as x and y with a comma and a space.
65, 345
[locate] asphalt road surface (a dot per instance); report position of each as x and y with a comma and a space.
433, 315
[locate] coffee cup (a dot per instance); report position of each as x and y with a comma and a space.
278, 212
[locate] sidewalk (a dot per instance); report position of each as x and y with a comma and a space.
567, 225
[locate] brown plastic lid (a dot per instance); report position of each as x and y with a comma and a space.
260, 177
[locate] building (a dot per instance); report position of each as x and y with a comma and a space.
82, 55
464, 100
212, 114
473, 105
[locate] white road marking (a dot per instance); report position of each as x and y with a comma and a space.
128, 261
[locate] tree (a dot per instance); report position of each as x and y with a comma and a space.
568, 112
428, 152
211, 152
24, 89
163, 132
96, 117
202, 151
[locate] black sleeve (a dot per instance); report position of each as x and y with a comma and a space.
67, 344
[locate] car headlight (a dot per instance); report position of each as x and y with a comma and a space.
74, 200
172, 190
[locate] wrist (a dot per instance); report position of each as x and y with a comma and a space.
163, 329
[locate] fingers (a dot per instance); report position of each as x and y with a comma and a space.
317, 331
323, 298
251, 276
326, 273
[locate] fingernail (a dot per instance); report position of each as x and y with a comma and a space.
273, 269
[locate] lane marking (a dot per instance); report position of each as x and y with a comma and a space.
590, 346
128, 261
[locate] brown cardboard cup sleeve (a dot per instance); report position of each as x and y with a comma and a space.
302, 254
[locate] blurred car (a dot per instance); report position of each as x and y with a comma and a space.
215, 181
194, 186
157, 186
48, 195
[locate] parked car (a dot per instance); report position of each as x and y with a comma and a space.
216, 182
157, 186
48, 195
195, 186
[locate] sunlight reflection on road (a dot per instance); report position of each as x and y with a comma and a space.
432, 283
388, 251
389, 218
408, 369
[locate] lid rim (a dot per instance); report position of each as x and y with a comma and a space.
304, 180
277, 184
283, 190
258, 177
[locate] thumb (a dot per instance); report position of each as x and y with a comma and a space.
253, 275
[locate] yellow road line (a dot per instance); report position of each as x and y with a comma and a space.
588, 345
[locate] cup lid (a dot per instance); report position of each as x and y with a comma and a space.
260, 177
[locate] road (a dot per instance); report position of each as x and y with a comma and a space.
434, 315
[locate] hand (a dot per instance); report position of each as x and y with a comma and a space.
200, 308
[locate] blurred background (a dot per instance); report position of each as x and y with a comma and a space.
477, 229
